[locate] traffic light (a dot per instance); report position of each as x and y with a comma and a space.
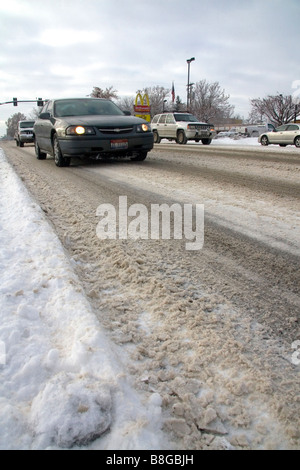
40, 102
15, 101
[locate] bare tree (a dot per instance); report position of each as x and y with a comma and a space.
34, 113
126, 104
108, 93
209, 102
12, 123
157, 95
278, 109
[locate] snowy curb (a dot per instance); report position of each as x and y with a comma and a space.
61, 384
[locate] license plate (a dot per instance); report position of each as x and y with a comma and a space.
119, 144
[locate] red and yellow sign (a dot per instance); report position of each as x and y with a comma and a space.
142, 107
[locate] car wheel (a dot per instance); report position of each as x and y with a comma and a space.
59, 159
156, 137
264, 140
140, 157
206, 141
21, 144
297, 141
39, 155
181, 138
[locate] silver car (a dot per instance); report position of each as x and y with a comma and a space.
287, 134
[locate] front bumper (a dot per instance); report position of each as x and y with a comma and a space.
91, 147
195, 134
26, 138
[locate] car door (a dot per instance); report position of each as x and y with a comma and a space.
39, 126
278, 136
291, 133
161, 126
43, 129
171, 127
47, 128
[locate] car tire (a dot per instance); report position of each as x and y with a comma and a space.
156, 137
297, 141
264, 140
59, 159
206, 141
181, 138
140, 157
39, 155
21, 144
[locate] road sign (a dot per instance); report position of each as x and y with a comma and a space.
142, 107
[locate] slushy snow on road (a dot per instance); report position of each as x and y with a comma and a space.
61, 384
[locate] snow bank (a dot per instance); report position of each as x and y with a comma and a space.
61, 384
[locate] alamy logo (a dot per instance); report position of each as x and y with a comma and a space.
164, 222
296, 93
296, 354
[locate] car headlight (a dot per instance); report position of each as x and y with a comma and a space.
80, 130
143, 128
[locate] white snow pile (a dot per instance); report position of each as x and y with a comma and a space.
61, 384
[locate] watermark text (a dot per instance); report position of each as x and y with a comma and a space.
164, 222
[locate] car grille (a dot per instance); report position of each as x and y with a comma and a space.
115, 130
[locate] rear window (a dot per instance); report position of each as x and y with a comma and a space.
26, 124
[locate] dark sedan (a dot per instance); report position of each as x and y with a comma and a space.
89, 127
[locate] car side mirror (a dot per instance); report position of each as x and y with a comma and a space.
44, 116
127, 113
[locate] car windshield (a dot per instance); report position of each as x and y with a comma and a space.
86, 107
26, 125
185, 118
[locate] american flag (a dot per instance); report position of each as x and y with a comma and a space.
173, 92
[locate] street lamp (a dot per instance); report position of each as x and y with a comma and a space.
188, 83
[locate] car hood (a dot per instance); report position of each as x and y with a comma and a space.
116, 121
197, 123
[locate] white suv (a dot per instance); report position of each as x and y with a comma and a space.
24, 133
181, 127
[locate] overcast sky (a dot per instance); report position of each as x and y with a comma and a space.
63, 48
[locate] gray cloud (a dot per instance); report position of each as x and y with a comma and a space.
65, 47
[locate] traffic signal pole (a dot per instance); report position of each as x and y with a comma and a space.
15, 101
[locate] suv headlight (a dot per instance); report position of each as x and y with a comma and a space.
80, 130
191, 126
143, 128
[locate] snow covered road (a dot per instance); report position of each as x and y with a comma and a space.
205, 337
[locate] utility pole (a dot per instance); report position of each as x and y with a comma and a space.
188, 99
